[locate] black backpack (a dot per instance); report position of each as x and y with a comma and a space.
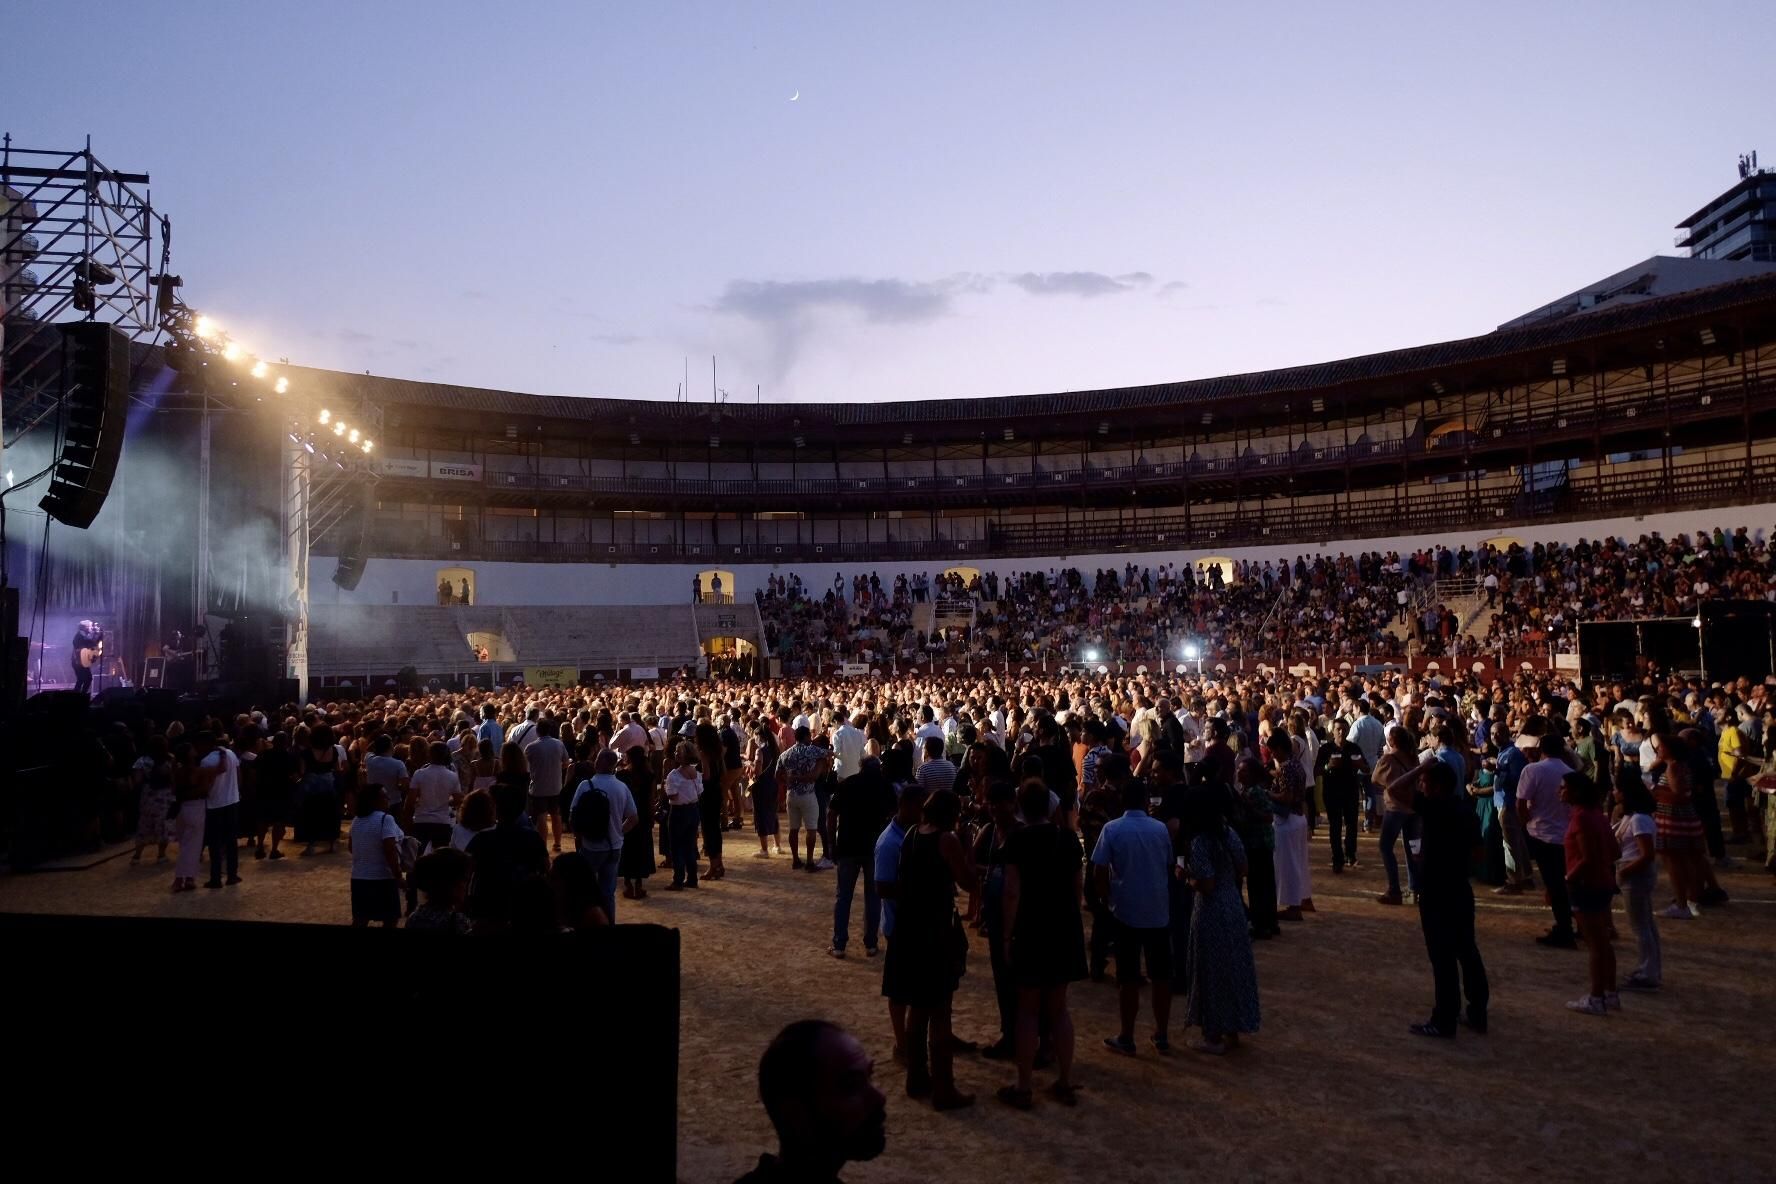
591, 818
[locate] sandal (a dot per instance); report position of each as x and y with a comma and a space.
1017, 1099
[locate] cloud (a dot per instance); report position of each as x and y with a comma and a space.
890, 301
1079, 283
1172, 289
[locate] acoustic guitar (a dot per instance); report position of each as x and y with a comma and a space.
89, 656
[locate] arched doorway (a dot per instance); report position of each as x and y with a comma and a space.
1205, 565
730, 657
967, 575
1501, 542
491, 647
713, 586
456, 585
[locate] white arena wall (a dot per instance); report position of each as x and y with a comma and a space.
415, 581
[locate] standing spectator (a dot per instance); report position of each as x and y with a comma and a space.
442, 877
548, 761
1255, 823
1288, 796
889, 845
1447, 832
189, 829
1221, 978
1398, 821
761, 775
217, 774
602, 812
374, 842
930, 947
684, 786
1133, 864
1678, 837
1544, 813
1044, 940
1591, 850
1343, 773
802, 766
861, 806
1637, 873
1513, 758
990, 858
636, 863
435, 790
156, 805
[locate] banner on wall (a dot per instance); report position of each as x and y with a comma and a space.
644, 672
443, 471
1566, 661
552, 676
854, 669
400, 466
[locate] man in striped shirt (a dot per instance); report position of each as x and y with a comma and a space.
936, 774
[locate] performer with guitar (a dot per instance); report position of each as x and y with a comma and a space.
88, 648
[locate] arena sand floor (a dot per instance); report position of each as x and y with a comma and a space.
1333, 1088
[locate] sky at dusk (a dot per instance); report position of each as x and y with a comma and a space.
975, 199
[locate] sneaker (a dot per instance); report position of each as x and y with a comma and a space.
1555, 940
275, 855
870, 951
1162, 1045
1475, 1024
836, 951
1508, 890
825, 865
761, 855
1432, 1030
1677, 912
1213, 1048
1587, 1005
232, 881
1635, 982
1388, 898
1713, 896
1117, 1044
1612, 1001
1695, 909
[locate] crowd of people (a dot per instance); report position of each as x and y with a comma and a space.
1368, 607
1148, 830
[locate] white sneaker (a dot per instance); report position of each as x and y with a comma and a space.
1677, 912
825, 864
1587, 1005
1695, 909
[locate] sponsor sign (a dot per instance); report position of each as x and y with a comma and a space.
442, 471
398, 466
854, 669
551, 676
644, 672
1566, 661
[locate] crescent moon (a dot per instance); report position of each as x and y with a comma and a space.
794, 97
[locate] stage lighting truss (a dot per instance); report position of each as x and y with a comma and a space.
77, 242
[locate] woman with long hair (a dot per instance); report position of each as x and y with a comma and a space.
323, 766
1221, 977
636, 863
1288, 796
761, 777
1677, 829
709, 806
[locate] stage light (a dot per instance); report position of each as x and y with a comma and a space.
259, 370
1091, 655
325, 415
367, 445
282, 385
352, 435
231, 352
1191, 653
204, 327
9, 478
339, 427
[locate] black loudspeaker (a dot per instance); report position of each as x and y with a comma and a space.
288, 691
95, 403
351, 534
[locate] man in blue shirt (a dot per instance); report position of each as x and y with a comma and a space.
1132, 863
490, 729
1511, 762
911, 804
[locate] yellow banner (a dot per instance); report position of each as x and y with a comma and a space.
551, 676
